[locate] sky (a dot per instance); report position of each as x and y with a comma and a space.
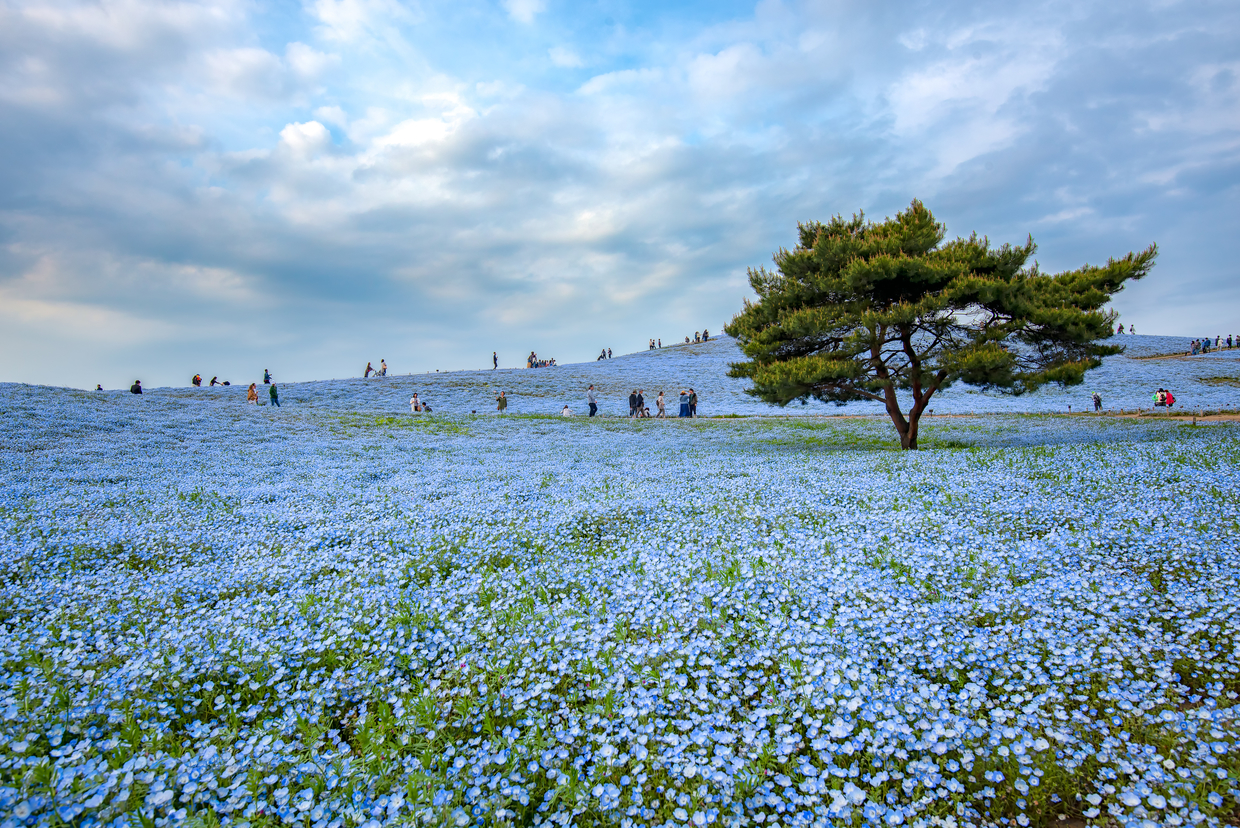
222, 186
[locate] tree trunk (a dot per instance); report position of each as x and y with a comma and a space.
908, 437
908, 440
907, 428
903, 426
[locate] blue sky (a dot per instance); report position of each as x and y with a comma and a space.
223, 186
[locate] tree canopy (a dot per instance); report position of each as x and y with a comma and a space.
862, 310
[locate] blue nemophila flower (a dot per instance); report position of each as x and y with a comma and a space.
388, 614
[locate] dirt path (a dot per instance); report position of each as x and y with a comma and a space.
1187, 415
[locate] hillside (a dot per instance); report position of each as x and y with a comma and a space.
1126, 381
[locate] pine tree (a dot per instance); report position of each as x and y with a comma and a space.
862, 310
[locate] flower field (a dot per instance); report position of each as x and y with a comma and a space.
330, 616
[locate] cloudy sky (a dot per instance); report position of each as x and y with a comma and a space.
223, 186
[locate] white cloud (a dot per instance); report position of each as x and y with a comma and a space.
307, 62
524, 11
332, 115
353, 20
305, 140
567, 58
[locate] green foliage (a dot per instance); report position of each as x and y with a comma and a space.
860, 310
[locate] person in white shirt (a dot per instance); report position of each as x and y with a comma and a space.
566, 412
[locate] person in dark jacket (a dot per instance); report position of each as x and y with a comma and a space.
633, 403
275, 396
266, 377
136, 388
692, 403
641, 401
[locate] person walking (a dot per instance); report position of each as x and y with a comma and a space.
494, 360
692, 403
658, 404
251, 394
136, 388
275, 396
633, 403
641, 401
684, 404
592, 399
501, 403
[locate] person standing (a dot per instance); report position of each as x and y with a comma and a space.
267, 376
251, 394
692, 403
684, 404
592, 399
275, 396
609, 353
1132, 329
658, 403
641, 401
366, 373
414, 405
1097, 401
494, 360
99, 386
660, 345
197, 381
382, 368
136, 388
633, 403
501, 403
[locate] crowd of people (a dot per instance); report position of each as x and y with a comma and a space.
532, 361
1203, 346
638, 409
